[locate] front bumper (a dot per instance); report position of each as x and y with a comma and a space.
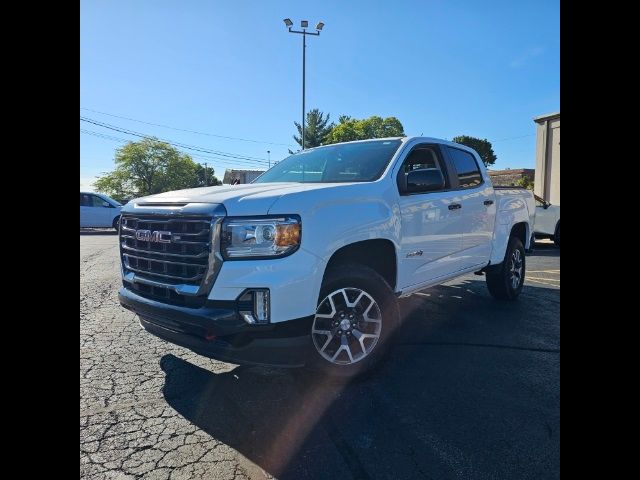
217, 331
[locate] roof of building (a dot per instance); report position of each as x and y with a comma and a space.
547, 116
508, 171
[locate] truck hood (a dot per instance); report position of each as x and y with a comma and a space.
244, 199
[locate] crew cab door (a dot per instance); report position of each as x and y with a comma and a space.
431, 226
477, 201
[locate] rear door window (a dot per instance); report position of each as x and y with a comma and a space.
467, 168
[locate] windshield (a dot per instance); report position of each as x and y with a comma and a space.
110, 200
343, 162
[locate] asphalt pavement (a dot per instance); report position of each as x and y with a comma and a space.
470, 390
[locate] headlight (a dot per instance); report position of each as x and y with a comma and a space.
267, 237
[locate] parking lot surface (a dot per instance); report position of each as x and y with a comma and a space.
470, 390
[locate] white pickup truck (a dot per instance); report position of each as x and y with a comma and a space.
304, 266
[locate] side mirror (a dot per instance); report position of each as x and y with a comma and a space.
107, 205
420, 181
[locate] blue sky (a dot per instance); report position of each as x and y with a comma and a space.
231, 69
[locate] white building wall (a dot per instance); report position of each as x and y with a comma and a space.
547, 177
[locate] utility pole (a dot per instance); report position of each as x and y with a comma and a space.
206, 184
269, 156
304, 24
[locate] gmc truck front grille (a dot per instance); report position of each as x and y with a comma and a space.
170, 258
181, 257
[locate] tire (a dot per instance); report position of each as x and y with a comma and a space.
505, 283
359, 312
556, 236
116, 224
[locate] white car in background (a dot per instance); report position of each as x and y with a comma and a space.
547, 222
99, 211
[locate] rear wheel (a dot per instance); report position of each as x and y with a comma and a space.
357, 312
505, 283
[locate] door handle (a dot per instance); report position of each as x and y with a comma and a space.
488, 202
455, 206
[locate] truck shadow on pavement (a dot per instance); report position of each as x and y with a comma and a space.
470, 389
546, 248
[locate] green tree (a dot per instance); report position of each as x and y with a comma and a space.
206, 177
146, 167
315, 131
482, 146
349, 129
525, 182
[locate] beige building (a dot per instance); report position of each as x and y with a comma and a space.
547, 179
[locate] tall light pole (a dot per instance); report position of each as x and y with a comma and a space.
269, 157
304, 24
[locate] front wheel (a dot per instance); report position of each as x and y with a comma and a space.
507, 281
116, 223
356, 315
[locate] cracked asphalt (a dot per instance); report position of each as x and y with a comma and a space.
470, 390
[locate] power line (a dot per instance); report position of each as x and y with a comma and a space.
238, 138
172, 142
185, 130
102, 135
224, 162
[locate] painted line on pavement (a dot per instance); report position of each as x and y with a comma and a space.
544, 283
546, 279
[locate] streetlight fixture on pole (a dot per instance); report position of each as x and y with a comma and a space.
304, 24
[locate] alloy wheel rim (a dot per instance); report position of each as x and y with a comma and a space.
516, 269
347, 326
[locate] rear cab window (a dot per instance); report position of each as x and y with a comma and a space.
466, 166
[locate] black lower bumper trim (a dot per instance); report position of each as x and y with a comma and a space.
221, 333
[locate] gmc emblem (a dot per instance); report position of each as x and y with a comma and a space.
157, 236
